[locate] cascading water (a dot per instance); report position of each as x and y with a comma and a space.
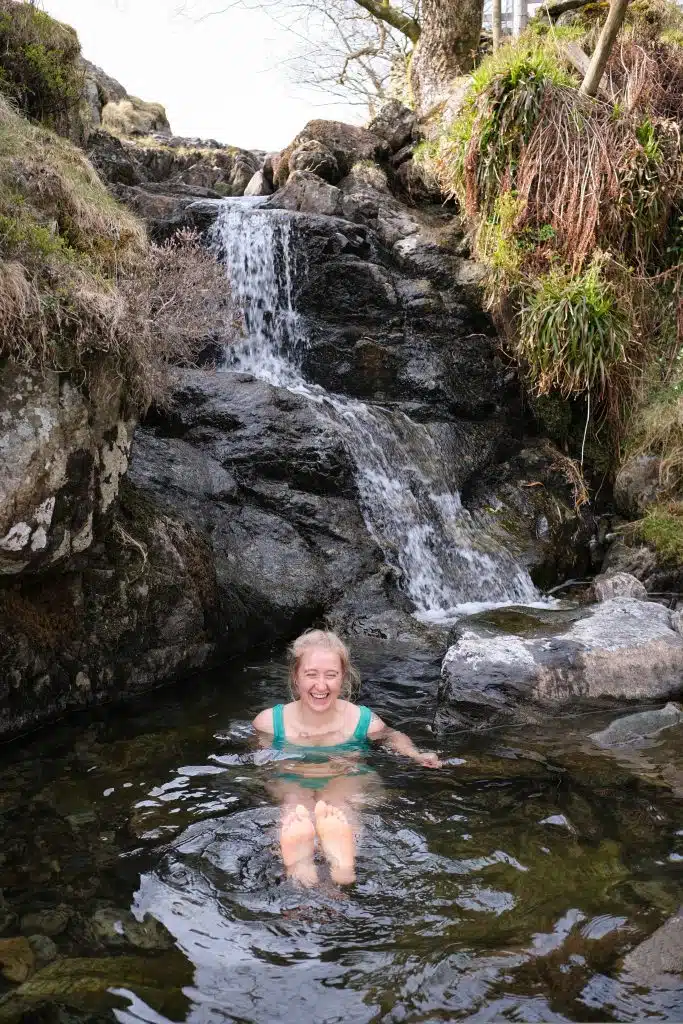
411, 511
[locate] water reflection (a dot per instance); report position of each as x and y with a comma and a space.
508, 886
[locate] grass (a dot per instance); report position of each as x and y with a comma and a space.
40, 70
81, 289
574, 205
662, 528
133, 116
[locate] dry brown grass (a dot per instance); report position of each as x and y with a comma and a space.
81, 289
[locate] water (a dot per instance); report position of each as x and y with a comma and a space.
506, 886
444, 560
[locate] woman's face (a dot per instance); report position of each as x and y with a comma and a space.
319, 678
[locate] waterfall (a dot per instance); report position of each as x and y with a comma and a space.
445, 561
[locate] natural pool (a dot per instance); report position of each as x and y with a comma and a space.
507, 887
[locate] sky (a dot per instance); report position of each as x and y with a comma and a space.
224, 77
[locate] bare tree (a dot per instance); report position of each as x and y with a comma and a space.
353, 45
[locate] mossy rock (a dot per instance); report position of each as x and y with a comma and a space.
40, 68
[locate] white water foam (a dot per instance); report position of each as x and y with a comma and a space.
447, 564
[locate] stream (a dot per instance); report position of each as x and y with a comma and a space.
139, 846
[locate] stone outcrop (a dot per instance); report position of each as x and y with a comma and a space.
623, 648
62, 460
332, 146
531, 501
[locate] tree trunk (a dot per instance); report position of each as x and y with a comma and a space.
610, 30
519, 17
447, 48
496, 22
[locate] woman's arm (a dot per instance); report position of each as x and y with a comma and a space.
401, 743
264, 728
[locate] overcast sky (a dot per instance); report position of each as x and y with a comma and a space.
220, 78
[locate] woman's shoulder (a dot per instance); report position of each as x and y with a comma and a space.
360, 713
265, 720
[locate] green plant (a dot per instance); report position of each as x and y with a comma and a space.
662, 527
573, 332
39, 66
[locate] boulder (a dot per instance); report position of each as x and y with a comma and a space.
396, 124
659, 955
306, 192
617, 584
62, 461
623, 648
532, 499
258, 185
112, 160
345, 142
313, 156
638, 485
634, 728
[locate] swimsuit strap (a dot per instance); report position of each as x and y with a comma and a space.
361, 731
279, 735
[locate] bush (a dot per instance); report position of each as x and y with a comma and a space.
574, 204
81, 290
40, 70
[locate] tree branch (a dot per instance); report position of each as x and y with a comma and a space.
393, 16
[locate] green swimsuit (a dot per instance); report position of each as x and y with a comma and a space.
319, 755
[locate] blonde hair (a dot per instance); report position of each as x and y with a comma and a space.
328, 641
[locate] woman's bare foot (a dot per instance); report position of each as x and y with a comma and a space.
297, 838
337, 841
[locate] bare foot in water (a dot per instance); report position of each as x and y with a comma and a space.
337, 841
297, 838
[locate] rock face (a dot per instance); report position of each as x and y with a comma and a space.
62, 461
532, 498
332, 147
622, 648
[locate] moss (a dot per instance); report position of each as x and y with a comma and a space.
662, 528
39, 66
29, 613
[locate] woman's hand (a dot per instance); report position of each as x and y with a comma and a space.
429, 759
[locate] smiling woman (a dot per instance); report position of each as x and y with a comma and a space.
327, 735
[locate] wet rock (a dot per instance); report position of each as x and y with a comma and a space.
117, 929
530, 500
62, 461
377, 609
632, 728
617, 584
17, 960
52, 921
44, 949
661, 954
622, 648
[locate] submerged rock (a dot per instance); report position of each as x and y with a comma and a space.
661, 954
622, 648
17, 960
632, 728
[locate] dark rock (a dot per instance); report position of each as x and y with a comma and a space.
347, 144
622, 648
313, 156
633, 728
52, 921
44, 949
396, 124
306, 192
531, 498
113, 161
